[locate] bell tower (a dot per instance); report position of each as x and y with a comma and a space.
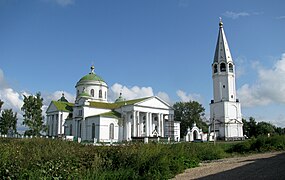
225, 109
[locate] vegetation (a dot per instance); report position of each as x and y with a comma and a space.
55, 159
189, 113
1, 104
33, 118
253, 129
8, 121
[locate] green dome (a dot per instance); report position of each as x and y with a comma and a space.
120, 98
91, 77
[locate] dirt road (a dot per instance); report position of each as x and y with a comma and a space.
258, 166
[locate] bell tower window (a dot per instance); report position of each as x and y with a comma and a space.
215, 68
223, 67
231, 68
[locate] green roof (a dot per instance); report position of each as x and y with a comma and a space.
116, 104
63, 106
91, 77
84, 94
112, 114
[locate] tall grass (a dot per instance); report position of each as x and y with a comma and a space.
54, 159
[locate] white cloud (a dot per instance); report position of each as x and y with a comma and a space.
129, 93
13, 99
184, 97
164, 96
269, 88
235, 15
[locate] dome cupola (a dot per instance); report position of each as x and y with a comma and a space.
92, 86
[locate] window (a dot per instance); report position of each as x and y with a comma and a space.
231, 68
100, 93
70, 130
80, 113
92, 92
77, 92
93, 130
223, 67
215, 68
111, 131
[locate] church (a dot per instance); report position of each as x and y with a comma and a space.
225, 109
93, 118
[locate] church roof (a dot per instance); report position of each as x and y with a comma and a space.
222, 52
111, 114
63, 106
92, 76
116, 104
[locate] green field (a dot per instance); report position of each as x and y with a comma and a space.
55, 159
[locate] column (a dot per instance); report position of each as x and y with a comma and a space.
134, 124
138, 123
150, 124
147, 124
129, 130
162, 125
159, 124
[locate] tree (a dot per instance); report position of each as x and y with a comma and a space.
8, 121
189, 113
1, 104
264, 128
33, 118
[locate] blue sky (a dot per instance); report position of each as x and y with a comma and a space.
143, 47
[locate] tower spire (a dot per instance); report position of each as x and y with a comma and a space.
222, 52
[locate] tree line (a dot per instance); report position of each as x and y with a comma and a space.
32, 114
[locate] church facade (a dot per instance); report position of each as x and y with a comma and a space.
91, 117
225, 108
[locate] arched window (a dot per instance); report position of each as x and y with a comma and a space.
100, 93
92, 92
70, 130
223, 67
111, 131
93, 130
231, 68
215, 68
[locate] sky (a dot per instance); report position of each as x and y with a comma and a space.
143, 48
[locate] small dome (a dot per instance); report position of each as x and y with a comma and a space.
120, 98
62, 99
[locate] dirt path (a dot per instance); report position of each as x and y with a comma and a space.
257, 166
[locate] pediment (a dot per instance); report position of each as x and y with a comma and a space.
154, 102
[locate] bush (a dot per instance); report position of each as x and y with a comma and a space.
55, 159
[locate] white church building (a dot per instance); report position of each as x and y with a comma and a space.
92, 116
225, 108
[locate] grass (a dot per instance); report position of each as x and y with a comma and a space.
55, 159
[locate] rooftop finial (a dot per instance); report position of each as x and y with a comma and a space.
92, 69
221, 23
